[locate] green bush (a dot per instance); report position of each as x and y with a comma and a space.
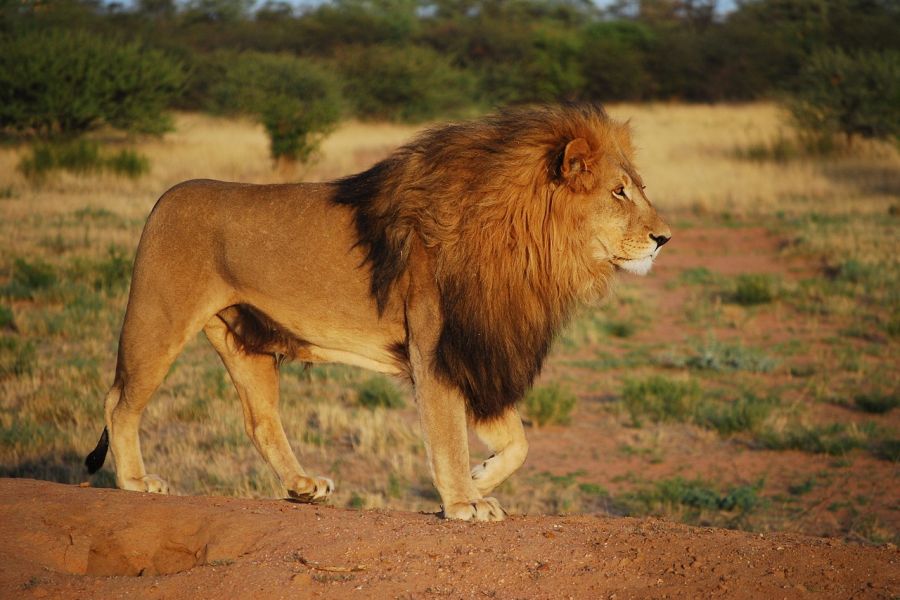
16, 357
63, 83
746, 413
834, 439
694, 495
660, 399
752, 289
296, 100
714, 355
127, 162
551, 404
404, 83
379, 391
80, 156
877, 402
29, 278
853, 94
612, 60
109, 275
7, 319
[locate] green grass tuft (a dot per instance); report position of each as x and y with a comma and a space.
7, 319
877, 402
16, 357
551, 404
690, 499
747, 413
28, 278
379, 391
81, 157
834, 439
753, 289
128, 163
660, 399
719, 356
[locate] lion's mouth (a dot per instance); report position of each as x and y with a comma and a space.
637, 266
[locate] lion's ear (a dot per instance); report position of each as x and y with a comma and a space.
573, 168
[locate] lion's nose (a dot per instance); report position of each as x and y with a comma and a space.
660, 239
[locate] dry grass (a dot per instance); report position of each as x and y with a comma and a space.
688, 156
50, 412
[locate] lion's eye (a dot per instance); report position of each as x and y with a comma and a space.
619, 193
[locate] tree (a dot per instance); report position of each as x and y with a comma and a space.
63, 83
404, 83
854, 94
295, 100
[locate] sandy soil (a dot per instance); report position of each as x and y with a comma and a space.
60, 541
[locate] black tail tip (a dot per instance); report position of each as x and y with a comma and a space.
95, 459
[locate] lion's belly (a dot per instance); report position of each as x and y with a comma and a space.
315, 354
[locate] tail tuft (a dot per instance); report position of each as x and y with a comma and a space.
95, 459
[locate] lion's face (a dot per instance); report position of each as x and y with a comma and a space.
628, 232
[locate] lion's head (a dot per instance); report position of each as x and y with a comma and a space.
524, 214
598, 167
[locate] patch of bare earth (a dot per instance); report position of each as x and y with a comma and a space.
69, 542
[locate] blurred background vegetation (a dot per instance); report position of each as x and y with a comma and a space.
67, 66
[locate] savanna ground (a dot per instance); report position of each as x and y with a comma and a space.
750, 381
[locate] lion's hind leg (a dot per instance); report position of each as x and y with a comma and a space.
505, 437
255, 375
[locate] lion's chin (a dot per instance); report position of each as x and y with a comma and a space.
637, 266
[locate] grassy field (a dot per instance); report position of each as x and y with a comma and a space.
750, 381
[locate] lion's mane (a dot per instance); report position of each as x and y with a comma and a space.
509, 235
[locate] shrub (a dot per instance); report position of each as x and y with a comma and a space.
379, 391
110, 274
853, 94
28, 278
889, 449
404, 83
660, 399
127, 162
80, 156
295, 100
877, 402
16, 357
548, 405
63, 83
693, 496
719, 356
7, 319
620, 329
612, 60
834, 439
746, 413
751, 289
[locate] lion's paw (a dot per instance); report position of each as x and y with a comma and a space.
483, 476
479, 471
483, 509
153, 484
311, 489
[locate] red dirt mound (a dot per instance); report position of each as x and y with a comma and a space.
69, 542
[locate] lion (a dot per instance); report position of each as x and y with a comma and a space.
452, 263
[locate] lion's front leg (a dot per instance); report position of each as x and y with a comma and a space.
442, 412
505, 437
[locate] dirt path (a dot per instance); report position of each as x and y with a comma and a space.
61, 541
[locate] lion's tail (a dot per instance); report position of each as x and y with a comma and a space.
95, 459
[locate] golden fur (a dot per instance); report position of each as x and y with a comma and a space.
453, 262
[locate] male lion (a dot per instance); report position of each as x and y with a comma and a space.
453, 262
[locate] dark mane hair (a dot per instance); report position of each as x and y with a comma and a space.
509, 231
